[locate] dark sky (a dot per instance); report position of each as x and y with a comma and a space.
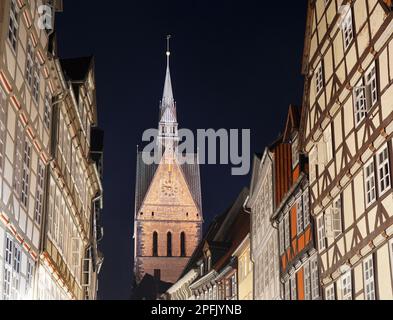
234, 64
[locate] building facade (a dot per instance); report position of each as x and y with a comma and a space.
168, 207
299, 273
217, 264
45, 213
348, 129
263, 237
244, 270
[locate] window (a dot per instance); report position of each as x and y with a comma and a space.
287, 291
9, 252
365, 94
360, 101
333, 220
29, 276
330, 293
384, 182
347, 28
346, 286
39, 199
169, 244
299, 215
293, 288
18, 158
26, 173
233, 289
371, 86
29, 64
368, 275
13, 25
287, 234
281, 236
369, 181
36, 81
319, 78
76, 256
306, 208
307, 282
3, 127
314, 278
15, 284
183, 244
321, 233
47, 109
155, 244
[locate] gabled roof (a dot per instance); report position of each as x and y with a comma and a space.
224, 235
293, 122
145, 174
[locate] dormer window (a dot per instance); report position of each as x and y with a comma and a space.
209, 263
202, 269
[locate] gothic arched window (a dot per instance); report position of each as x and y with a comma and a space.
183, 244
169, 244
155, 244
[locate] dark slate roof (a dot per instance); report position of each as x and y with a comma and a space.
145, 174
76, 69
224, 234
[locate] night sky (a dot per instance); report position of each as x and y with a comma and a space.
234, 65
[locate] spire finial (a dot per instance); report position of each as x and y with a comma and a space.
168, 48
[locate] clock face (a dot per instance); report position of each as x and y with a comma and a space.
169, 188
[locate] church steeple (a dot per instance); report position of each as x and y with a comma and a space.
168, 126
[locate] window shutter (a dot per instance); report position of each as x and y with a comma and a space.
313, 162
327, 137
329, 223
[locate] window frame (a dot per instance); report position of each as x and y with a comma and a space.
321, 232
299, 216
370, 193
369, 278
330, 293
347, 287
306, 208
287, 230
319, 78
307, 281
13, 25
386, 175
348, 31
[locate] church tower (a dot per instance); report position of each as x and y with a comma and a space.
168, 206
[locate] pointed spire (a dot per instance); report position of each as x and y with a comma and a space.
168, 109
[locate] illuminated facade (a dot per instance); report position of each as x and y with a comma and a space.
348, 130
50, 182
168, 209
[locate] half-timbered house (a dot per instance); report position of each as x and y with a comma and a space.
48, 180
299, 274
347, 130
